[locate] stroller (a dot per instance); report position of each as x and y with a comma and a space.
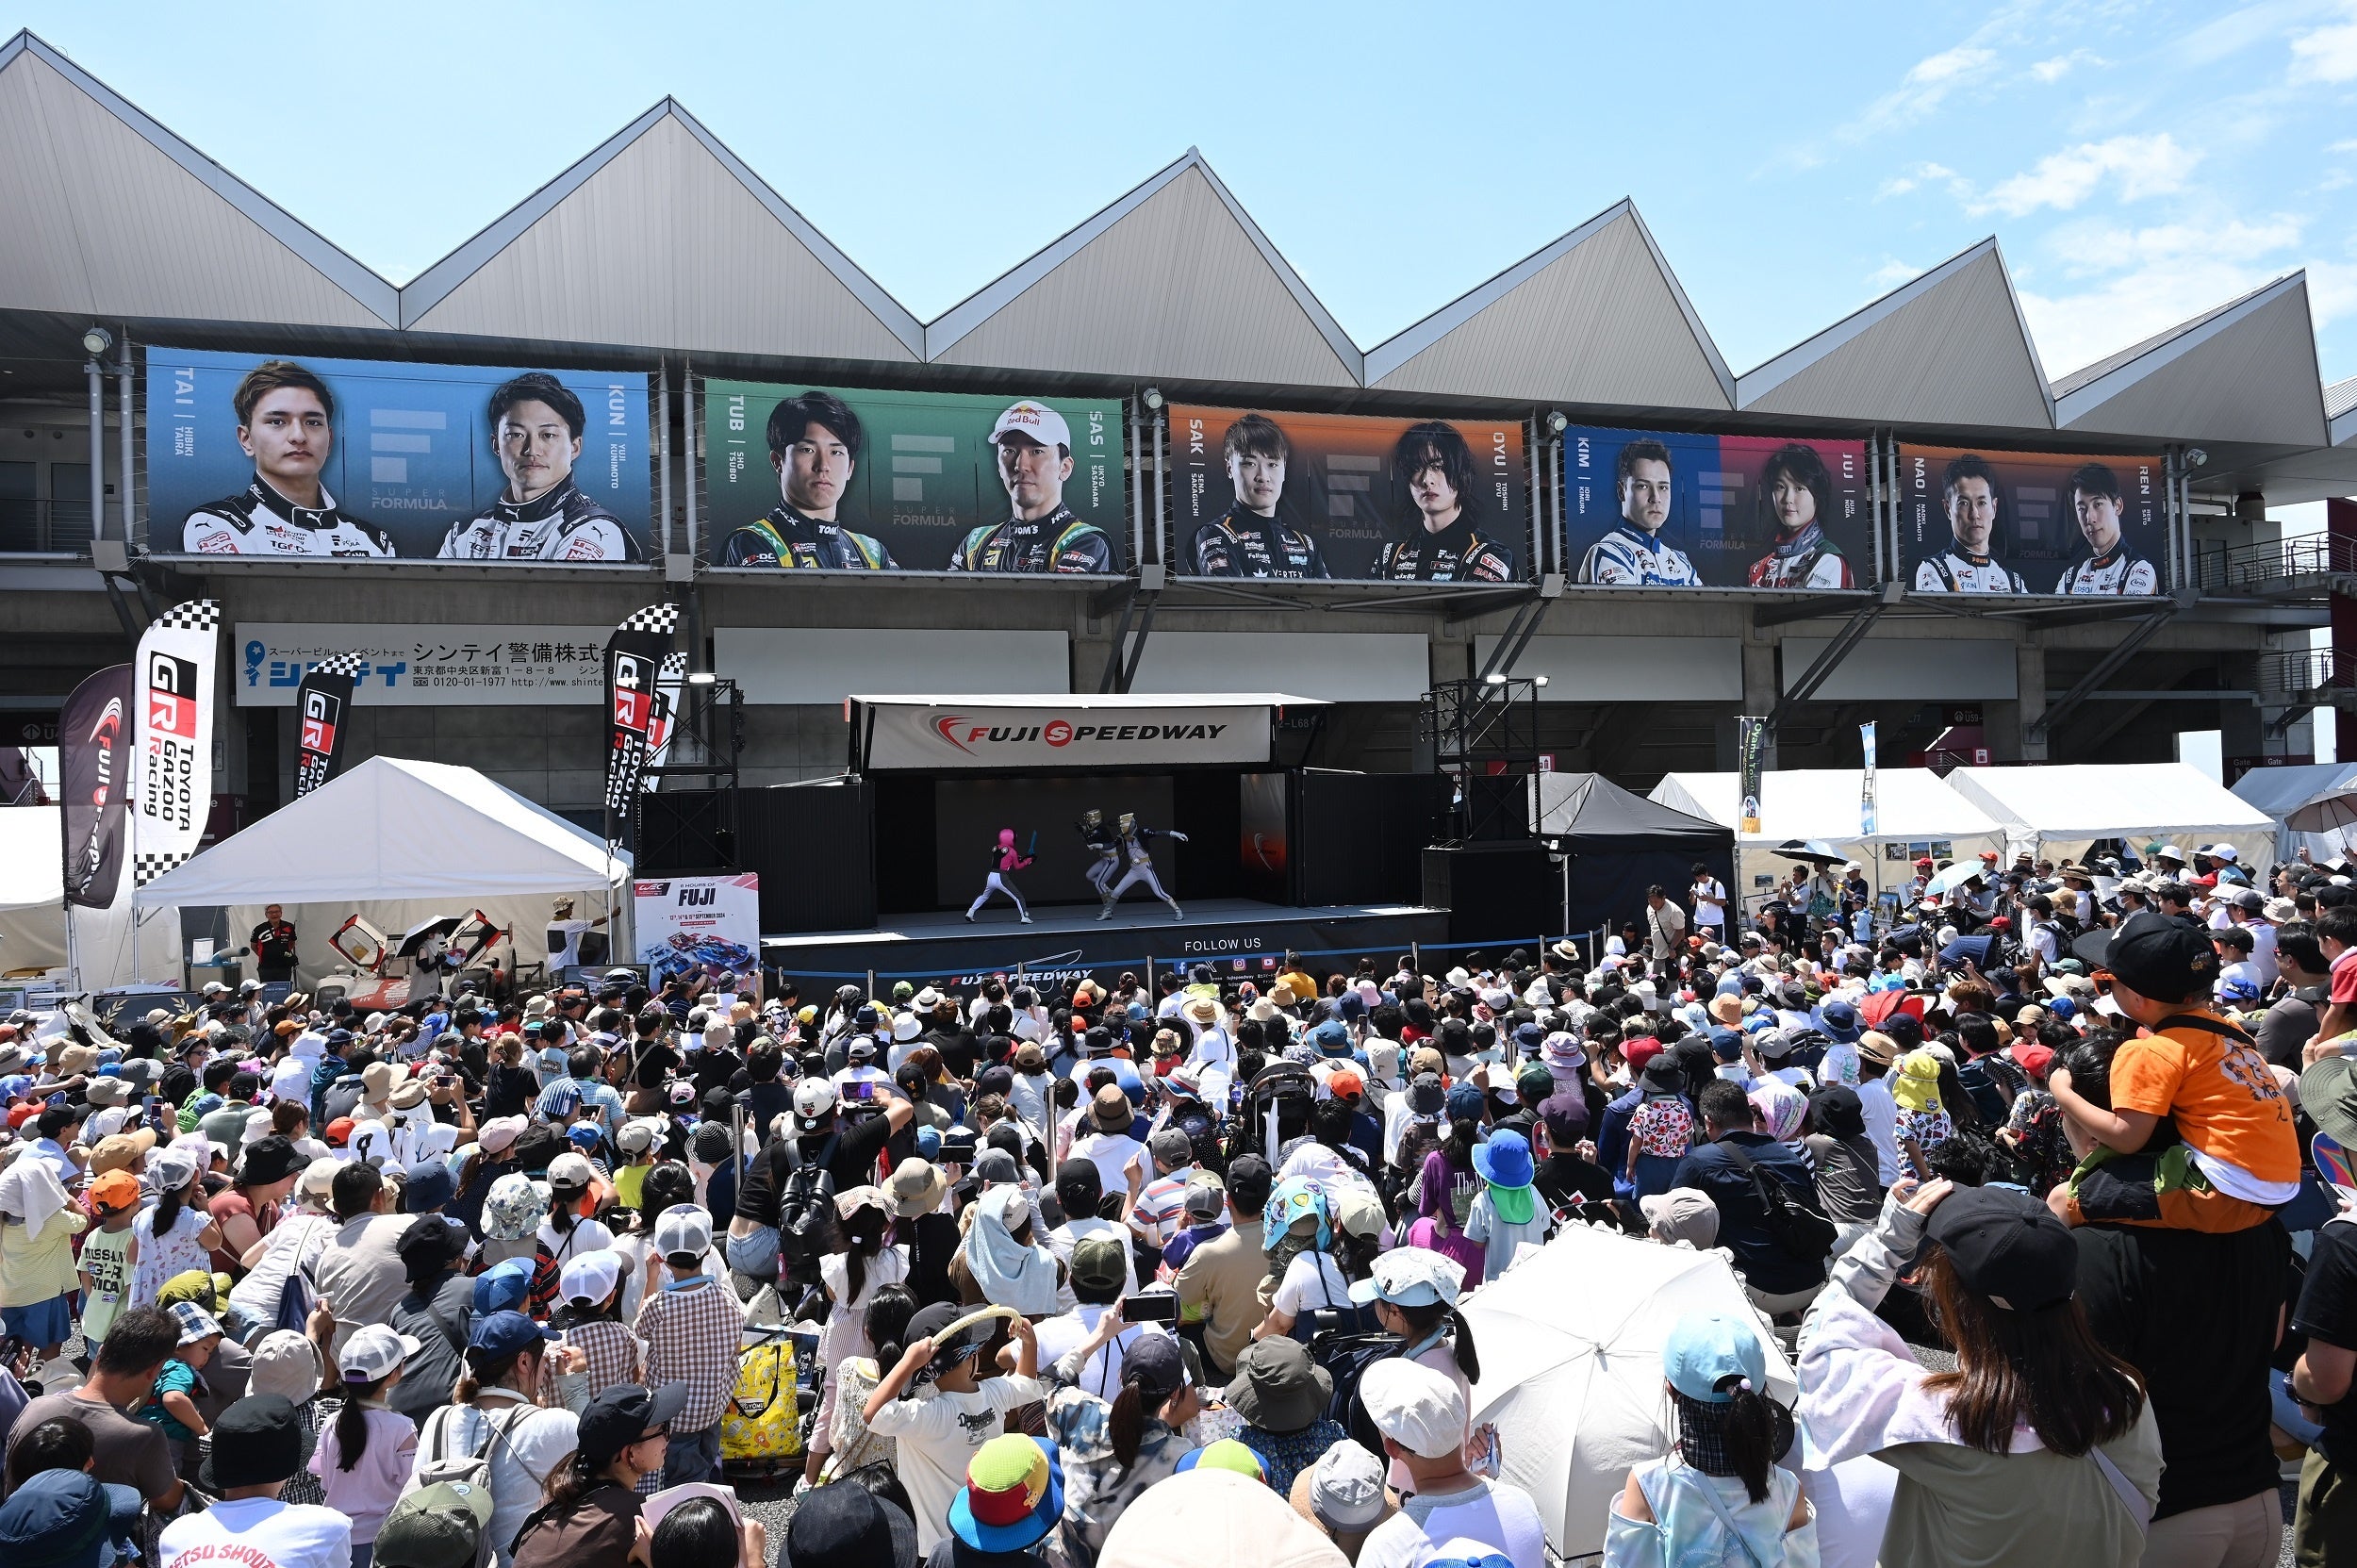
1275, 1109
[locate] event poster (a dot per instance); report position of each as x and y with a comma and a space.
425, 666
1650, 509
2032, 522
252, 456
843, 480
698, 925
1258, 493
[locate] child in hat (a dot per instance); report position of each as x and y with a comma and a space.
1506, 1212
1010, 1503
106, 1261
363, 1460
37, 1253
171, 1401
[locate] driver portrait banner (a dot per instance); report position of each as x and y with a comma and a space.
1658, 508
688, 926
94, 773
915, 736
1269, 494
1976, 520
633, 678
172, 683
322, 700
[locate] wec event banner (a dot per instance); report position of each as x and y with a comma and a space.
912, 736
412, 666
913, 481
690, 925
398, 460
1336, 495
1976, 521
1648, 509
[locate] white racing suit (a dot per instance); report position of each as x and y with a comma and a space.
1632, 558
562, 525
1953, 572
261, 521
2118, 572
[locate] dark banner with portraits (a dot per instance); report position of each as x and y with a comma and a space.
2032, 522
839, 480
1266, 494
1664, 509
252, 456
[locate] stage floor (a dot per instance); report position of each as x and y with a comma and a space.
1239, 936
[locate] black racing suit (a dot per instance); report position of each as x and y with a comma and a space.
786, 538
1057, 542
1246, 544
261, 521
1458, 554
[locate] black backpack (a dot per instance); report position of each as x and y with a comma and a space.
808, 1227
1346, 1357
1800, 1230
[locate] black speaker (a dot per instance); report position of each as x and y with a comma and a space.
1503, 893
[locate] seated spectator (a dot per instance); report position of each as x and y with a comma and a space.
1726, 1167
1422, 1417
256, 1449
1282, 1396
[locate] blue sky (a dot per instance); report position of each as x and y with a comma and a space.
2139, 163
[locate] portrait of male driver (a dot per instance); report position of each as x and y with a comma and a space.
1633, 553
1435, 466
1033, 448
1249, 540
1969, 491
815, 447
286, 424
2096, 502
541, 515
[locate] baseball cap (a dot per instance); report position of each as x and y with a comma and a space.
428, 1187
637, 1136
500, 1134
372, 1352
1033, 421
590, 1278
1705, 1349
1415, 1407
1345, 1490
285, 1363
814, 1102
2009, 1247
440, 1526
683, 1230
505, 1333
114, 1192
2156, 957
503, 1287
1100, 1262
1172, 1146
572, 1172
624, 1415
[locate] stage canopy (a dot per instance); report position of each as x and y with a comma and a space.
32, 913
1132, 731
2280, 791
1912, 806
2056, 812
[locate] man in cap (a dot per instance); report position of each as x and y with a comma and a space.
272, 944
1423, 1418
691, 1326
1219, 1287
256, 1449
1034, 448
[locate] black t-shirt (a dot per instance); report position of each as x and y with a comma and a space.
712, 1069
654, 1064
956, 1047
2327, 1311
440, 1328
852, 1163
510, 1092
2196, 1315
1562, 1174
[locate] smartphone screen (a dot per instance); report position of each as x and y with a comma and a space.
864, 1089
1150, 1307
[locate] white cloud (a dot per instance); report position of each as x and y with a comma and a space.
1916, 176
2144, 166
1949, 64
1891, 273
2145, 281
2326, 54
2348, 145
2055, 69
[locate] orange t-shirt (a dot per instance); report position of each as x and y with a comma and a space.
2219, 1091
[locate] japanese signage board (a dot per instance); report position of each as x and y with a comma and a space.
506, 666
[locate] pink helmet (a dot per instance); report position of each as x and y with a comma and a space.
1005, 838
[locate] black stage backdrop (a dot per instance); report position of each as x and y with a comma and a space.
811, 844
1358, 838
1045, 812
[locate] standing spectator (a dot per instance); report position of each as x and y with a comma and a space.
1876, 1052
1661, 1130
1665, 927
1507, 1213
437, 1312
938, 1435
692, 1329
1219, 1285
175, 1235
370, 1450
1708, 896
359, 1271
1848, 1177
850, 1280
37, 1224
1422, 1417
492, 1416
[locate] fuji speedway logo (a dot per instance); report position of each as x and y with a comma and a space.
965, 733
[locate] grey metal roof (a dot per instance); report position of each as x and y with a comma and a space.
2340, 407
663, 236
1949, 348
1174, 279
104, 212
2244, 372
1596, 317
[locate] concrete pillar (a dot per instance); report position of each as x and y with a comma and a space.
1761, 692
2030, 675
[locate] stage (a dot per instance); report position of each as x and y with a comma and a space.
1240, 937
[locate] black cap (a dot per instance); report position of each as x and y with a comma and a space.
2160, 958
267, 1160
848, 1526
623, 1415
438, 1240
258, 1441
2007, 1247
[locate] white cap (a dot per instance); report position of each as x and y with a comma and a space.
1033, 421
571, 1171
905, 1027
637, 1135
590, 1278
2221, 851
1346, 1488
814, 1100
1414, 1406
372, 1352
683, 1230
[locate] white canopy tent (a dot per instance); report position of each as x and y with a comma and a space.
396, 842
1912, 806
33, 915
1570, 1353
2057, 812
2280, 791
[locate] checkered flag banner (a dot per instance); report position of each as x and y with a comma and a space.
669, 688
172, 680
633, 672
323, 702
342, 664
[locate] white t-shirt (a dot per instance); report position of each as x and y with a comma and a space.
1063, 1238
1501, 1517
846, 1333
1112, 1154
525, 1450
1061, 1335
564, 940
1711, 901
1312, 1281
257, 1532
938, 1436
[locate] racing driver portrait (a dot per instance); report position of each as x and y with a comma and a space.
2096, 501
1435, 466
814, 446
286, 419
1968, 486
1035, 451
1633, 553
540, 515
1248, 540
1795, 497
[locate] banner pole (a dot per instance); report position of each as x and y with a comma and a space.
613, 930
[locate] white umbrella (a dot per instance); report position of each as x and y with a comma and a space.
1570, 1353
2334, 808
1952, 878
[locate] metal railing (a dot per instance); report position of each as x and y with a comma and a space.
2252, 566
29, 526
2312, 669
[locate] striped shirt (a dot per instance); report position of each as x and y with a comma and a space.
1163, 1206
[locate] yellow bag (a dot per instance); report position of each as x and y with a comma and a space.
761, 1425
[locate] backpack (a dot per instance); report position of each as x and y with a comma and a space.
808, 1226
437, 1466
1346, 1357
1801, 1232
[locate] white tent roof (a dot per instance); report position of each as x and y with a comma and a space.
1911, 804
2280, 791
394, 829
2081, 802
32, 858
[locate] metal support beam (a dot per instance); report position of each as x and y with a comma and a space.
2105, 668
1478, 605
1121, 659
1823, 607
1852, 634
1516, 638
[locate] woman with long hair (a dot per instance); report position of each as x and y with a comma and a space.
850, 1278
1447, 1184
493, 1410
588, 1516
850, 1443
368, 1451
176, 1236
1114, 1449
1414, 1294
2040, 1447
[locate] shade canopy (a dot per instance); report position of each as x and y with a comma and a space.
111, 948
2280, 792
395, 829
1596, 813
2057, 812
